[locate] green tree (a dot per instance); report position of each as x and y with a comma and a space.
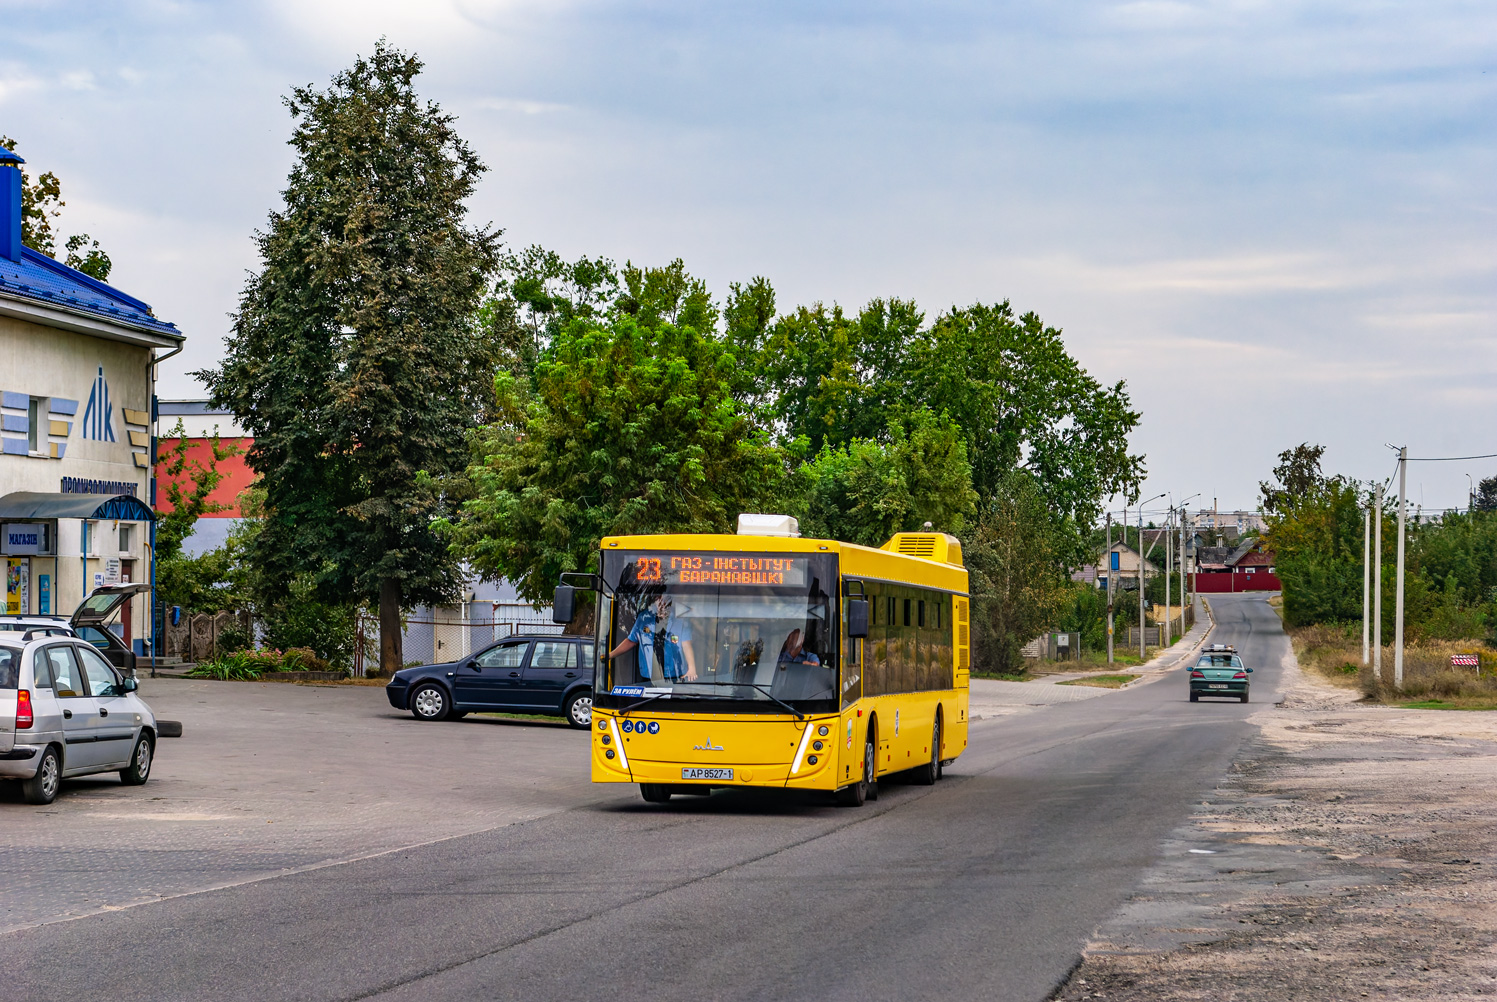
41, 206
1014, 556
628, 429
356, 360
538, 294
195, 583
1298, 475
864, 492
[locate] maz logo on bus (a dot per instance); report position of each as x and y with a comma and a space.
709, 746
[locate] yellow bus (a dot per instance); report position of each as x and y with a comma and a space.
763, 659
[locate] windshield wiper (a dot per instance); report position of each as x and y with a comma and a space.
642, 702
758, 686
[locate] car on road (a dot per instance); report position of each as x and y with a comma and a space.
542, 674
65, 711
1219, 671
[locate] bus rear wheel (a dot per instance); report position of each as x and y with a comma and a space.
926, 775
655, 793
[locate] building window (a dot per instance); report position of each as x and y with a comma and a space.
33, 424
125, 534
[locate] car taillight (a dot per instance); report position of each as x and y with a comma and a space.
1197, 674
23, 710
1241, 674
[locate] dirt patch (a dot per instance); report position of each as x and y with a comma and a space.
1351, 854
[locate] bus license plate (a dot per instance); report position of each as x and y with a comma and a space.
706, 773
1217, 685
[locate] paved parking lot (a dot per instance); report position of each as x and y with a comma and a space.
272, 777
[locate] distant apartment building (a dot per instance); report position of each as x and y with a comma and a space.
1239, 521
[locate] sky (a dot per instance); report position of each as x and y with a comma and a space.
1273, 220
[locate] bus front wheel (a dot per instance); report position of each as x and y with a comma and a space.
866, 788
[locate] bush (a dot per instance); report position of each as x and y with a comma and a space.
302, 622
232, 638
248, 665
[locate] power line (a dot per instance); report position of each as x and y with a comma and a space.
1447, 459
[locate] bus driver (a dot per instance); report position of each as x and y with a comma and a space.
662, 638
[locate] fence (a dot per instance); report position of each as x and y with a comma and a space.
1053, 647
194, 636
448, 633
1155, 635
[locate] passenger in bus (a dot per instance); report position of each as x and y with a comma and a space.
663, 639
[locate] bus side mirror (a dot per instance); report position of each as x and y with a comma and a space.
564, 604
857, 617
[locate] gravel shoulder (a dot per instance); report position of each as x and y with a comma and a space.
1351, 853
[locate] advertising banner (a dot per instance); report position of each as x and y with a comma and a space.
18, 587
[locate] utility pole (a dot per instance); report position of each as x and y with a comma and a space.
1109, 587
1183, 597
1169, 524
1377, 586
1403, 466
1142, 651
1366, 576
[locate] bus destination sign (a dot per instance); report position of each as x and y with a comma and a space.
721, 569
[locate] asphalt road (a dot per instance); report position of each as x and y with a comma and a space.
984, 886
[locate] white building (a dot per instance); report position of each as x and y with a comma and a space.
77, 370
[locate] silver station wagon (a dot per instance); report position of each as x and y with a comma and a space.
66, 711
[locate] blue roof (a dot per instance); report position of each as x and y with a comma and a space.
40, 279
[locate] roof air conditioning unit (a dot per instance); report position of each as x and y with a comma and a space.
768, 525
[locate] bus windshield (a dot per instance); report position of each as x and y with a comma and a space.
719, 626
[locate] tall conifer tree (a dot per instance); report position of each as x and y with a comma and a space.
354, 360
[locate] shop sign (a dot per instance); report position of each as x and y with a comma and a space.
25, 538
112, 571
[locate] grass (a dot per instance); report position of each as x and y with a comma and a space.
543, 717
1005, 676
1456, 703
1429, 683
1102, 681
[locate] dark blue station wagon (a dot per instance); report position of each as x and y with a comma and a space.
528, 674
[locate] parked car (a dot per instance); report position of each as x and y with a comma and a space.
1219, 671
530, 674
66, 711
14, 629
89, 621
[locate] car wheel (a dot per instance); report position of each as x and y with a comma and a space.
926, 775
139, 769
429, 702
579, 710
655, 793
1244, 697
1194, 698
42, 788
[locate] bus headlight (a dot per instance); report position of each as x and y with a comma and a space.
823, 731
